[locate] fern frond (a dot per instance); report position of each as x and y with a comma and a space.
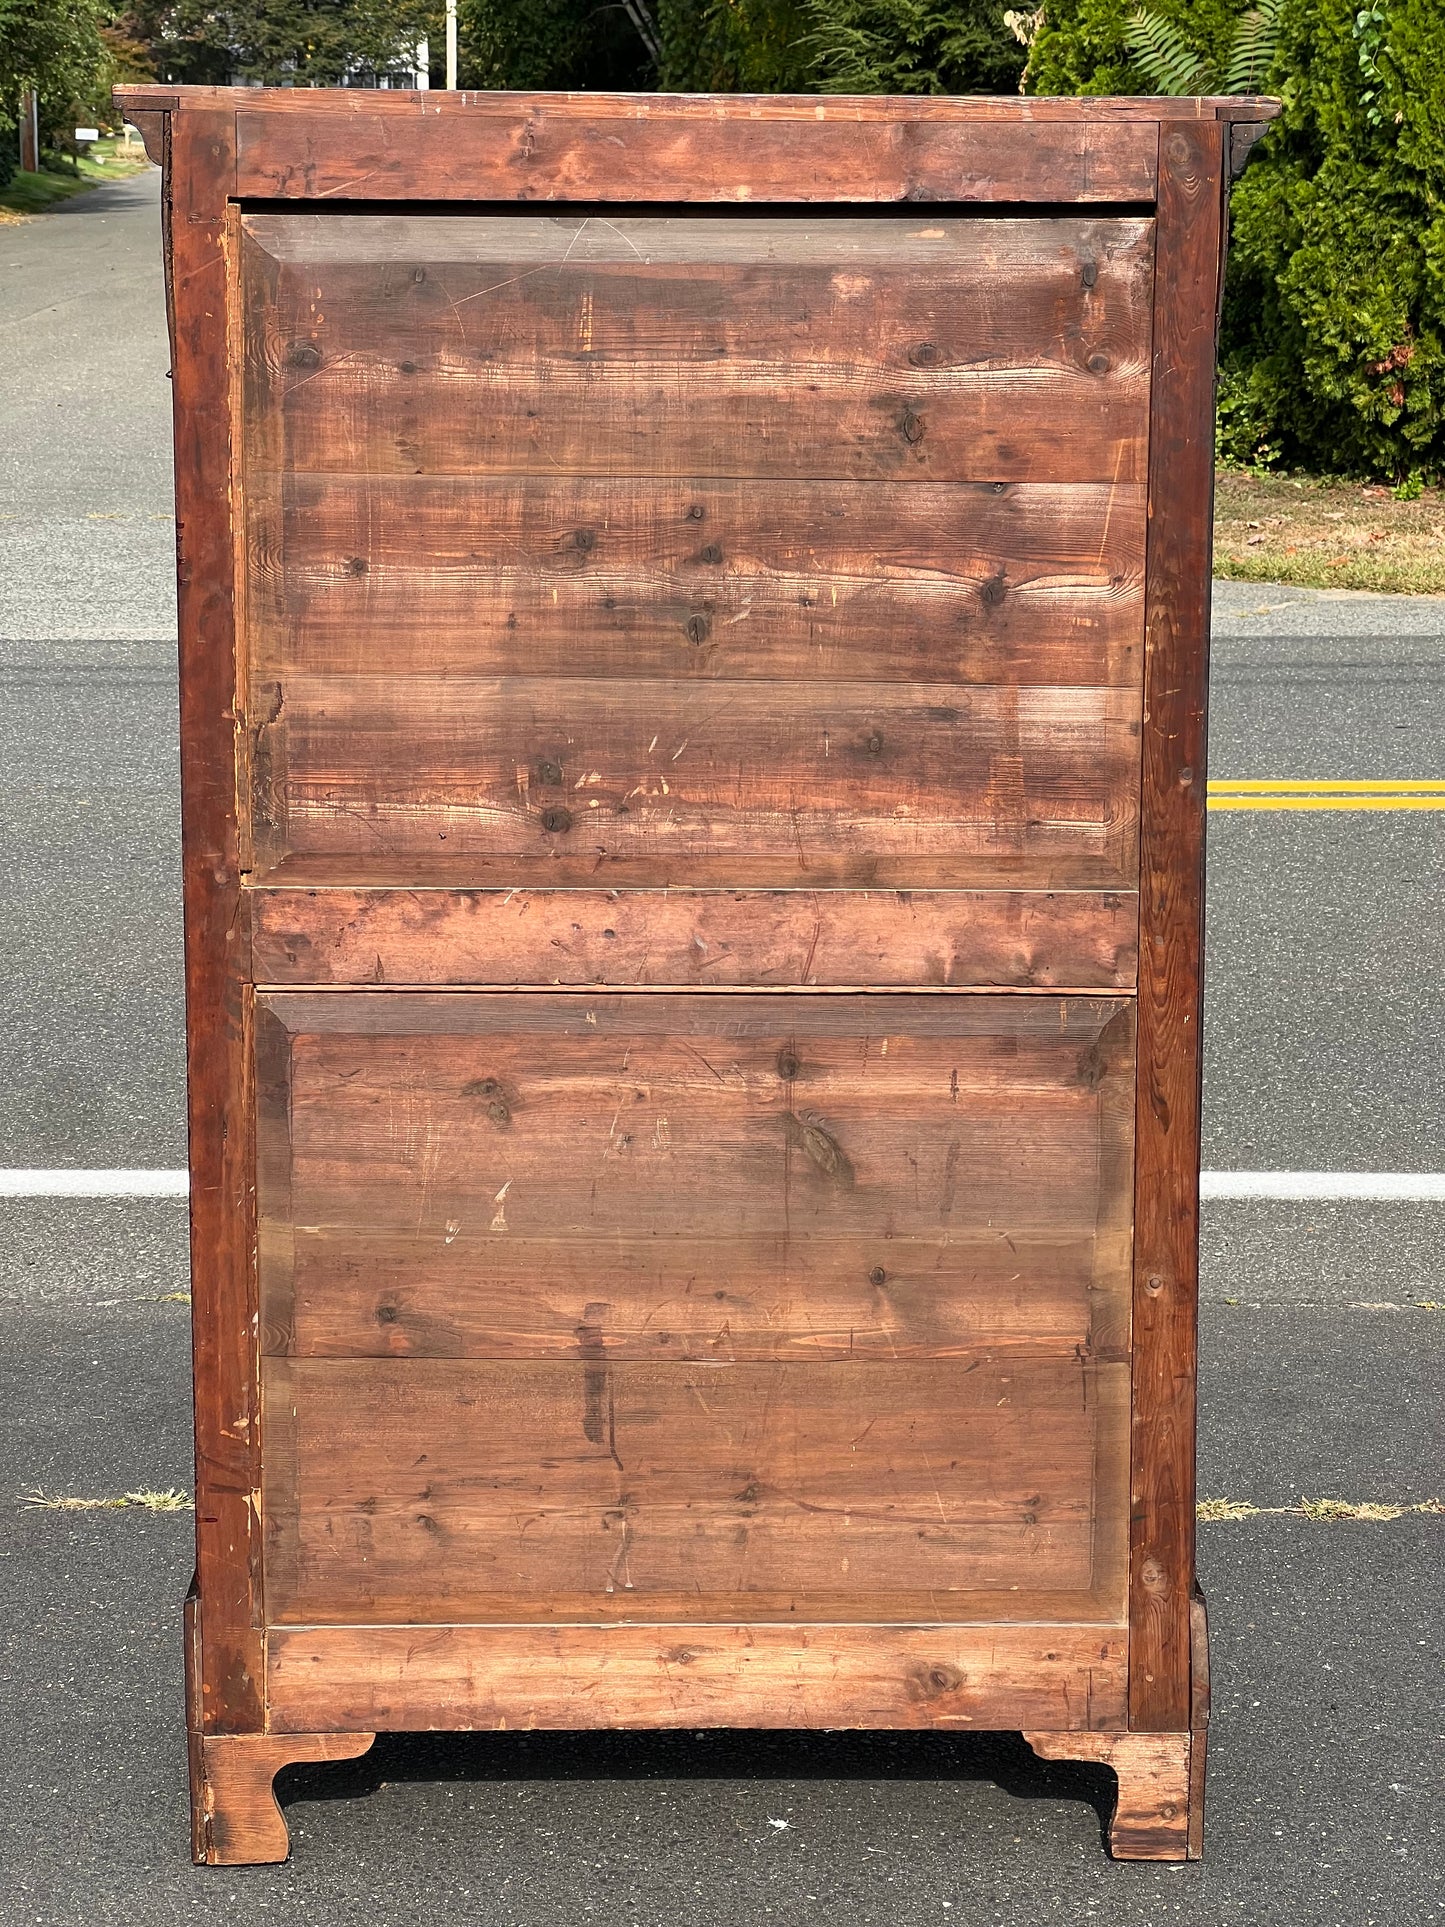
1164, 57
1252, 54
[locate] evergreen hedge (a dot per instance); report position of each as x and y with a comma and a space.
1333, 353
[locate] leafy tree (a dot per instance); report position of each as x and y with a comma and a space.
304, 43
57, 48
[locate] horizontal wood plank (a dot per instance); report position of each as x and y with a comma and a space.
949, 1677
359, 1292
973, 583
694, 348
442, 1489
856, 783
640, 147
714, 939
639, 1116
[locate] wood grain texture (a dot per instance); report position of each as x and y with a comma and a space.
697, 347
649, 1222
659, 148
696, 580
673, 1177
577, 1677
1151, 1817
857, 783
228, 1549
476, 1490
713, 939
1166, 1254
354, 1293
239, 1823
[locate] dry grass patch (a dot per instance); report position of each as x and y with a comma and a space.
172, 1499
1328, 535
1210, 1511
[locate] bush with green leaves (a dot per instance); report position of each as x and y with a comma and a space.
1333, 352
58, 49
914, 47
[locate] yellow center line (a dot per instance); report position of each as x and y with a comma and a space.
1327, 803
1343, 793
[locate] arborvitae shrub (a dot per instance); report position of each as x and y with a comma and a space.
1333, 353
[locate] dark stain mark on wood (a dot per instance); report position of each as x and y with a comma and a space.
594, 1377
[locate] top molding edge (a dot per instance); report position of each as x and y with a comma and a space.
401, 104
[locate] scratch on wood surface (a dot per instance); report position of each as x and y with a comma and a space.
499, 1219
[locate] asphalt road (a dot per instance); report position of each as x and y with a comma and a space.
1321, 1365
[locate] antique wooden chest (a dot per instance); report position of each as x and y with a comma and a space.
693, 650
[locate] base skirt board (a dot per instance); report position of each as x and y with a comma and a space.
407, 1678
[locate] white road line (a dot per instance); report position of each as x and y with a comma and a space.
1322, 1184
1418, 1185
93, 1184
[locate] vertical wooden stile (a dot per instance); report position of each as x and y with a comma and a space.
228, 1445
1176, 668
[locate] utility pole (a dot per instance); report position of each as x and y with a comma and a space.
452, 44
30, 131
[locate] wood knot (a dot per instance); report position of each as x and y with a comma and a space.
696, 512
822, 1148
408, 367
931, 1681
924, 355
1098, 364
788, 1066
303, 354
557, 821
356, 565
386, 1314
993, 591
584, 540
497, 1099
1093, 1067
1089, 274
878, 1276
712, 553
873, 743
548, 771
910, 427
697, 629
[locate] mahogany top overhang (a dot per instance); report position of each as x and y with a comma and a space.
361, 144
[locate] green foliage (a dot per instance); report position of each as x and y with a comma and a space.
304, 43
570, 44
1252, 57
1083, 47
1167, 63
1333, 350
735, 46
59, 49
914, 47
